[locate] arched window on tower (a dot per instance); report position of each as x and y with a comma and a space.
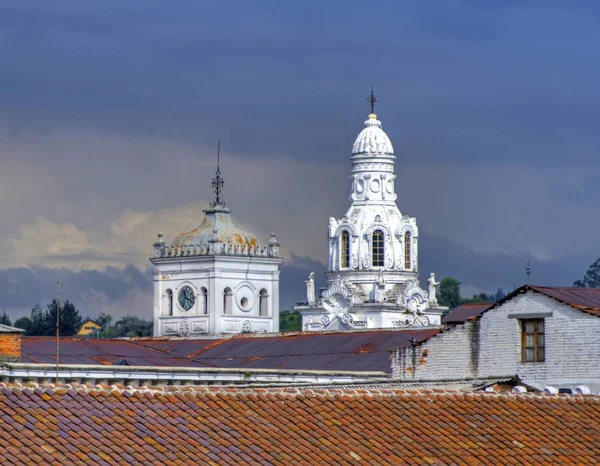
407, 250
377, 248
169, 310
263, 303
227, 301
345, 250
204, 294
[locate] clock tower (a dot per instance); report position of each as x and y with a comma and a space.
216, 279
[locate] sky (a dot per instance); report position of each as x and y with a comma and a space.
110, 113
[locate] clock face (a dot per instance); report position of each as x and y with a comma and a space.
186, 298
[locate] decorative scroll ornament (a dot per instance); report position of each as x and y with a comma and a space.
325, 320
415, 298
354, 261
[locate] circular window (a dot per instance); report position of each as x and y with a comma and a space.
244, 297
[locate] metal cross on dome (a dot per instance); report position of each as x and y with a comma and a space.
372, 99
217, 182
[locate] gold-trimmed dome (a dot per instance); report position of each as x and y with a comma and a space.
216, 226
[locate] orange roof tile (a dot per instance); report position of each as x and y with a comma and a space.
275, 426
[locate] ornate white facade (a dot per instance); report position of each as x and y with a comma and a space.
215, 279
372, 277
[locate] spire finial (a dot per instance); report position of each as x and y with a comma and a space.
528, 269
217, 182
372, 99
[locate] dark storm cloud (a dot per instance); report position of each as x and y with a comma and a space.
465, 73
487, 272
24, 287
491, 93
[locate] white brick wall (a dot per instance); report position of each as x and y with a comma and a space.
572, 341
492, 346
445, 356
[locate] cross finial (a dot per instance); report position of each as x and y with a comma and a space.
217, 182
372, 99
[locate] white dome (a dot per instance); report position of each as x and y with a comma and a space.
372, 139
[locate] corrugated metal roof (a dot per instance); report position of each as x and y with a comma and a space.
583, 299
344, 351
464, 312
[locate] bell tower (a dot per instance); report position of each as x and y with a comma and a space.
373, 267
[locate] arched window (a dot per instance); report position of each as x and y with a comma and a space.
407, 250
345, 250
377, 248
263, 303
204, 293
227, 300
169, 310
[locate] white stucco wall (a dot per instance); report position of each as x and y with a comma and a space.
245, 276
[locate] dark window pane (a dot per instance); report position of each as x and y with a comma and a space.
540, 326
377, 248
407, 250
345, 250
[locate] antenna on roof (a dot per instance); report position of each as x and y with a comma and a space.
528, 270
57, 324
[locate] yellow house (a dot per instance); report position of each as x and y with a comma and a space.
88, 327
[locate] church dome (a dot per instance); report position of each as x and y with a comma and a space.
372, 139
216, 226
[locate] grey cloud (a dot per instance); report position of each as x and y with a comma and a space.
292, 75
91, 290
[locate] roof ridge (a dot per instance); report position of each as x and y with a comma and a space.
70, 389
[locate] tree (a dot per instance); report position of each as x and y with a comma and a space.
104, 321
450, 292
4, 319
24, 323
290, 321
70, 319
37, 321
130, 326
591, 278
43, 323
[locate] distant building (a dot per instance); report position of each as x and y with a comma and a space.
546, 336
373, 271
89, 327
216, 279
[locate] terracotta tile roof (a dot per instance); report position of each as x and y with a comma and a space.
339, 351
73, 425
582, 299
465, 312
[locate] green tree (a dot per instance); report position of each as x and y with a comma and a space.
24, 323
290, 321
449, 292
70, 319
104, 321
591, 279
37, 321
131, 326
4, 319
